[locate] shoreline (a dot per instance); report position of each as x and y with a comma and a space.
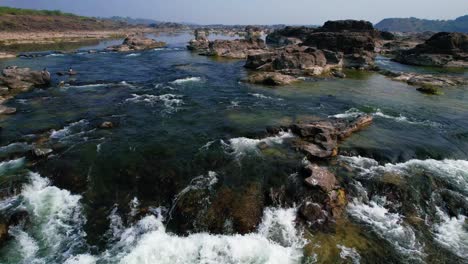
13, 43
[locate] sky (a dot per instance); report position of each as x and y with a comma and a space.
254, 11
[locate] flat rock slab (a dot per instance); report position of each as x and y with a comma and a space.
320, 177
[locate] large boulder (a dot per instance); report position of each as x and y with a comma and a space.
271, 78
356, 39
236, 49
319, 139
16, 78
441, 50
201, 42
137, 42
296, 60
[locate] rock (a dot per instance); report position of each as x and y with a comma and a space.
319, 139
425, 80
288, 36
3, 232
201, 42
271, 78
347, 25
320, 177
313, 213
441, 50
430, 89
6, 55
16, 78
106, 125
5, 110
41, 152
338, 74
296, 60
235, 49
253, 33
137, 42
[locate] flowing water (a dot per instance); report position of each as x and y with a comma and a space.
185, 122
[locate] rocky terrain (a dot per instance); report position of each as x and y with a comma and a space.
15, 80
441, 50
137, 42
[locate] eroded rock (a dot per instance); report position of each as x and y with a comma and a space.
271, 78
137, 42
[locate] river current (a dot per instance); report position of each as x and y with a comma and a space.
184, 122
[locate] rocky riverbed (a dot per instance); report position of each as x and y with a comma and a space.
145, 151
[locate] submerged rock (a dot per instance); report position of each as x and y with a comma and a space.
426, 80
441, 50
271, 78
137, 42
106, 125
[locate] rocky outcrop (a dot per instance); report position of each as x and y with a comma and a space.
137, 42
201, 42
296, 60
235, 49
425, 80
271, 78
356, 40
319, 140
320, 177
441, 50
15, 80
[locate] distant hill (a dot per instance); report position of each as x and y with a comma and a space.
420, 25
134, 21
15, 19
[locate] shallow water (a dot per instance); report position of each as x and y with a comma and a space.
186, 122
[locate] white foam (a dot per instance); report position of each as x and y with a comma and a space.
69, 130
55, 55
15, 147
81, 259
349, 253
452, 233
170, 101
388, 226
27, 245
148, 242
133, 55
353, 113
454, 172
186, 80
261, 96
242, 145
11, 165
57, 214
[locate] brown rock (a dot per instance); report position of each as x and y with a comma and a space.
271, 78
320, 177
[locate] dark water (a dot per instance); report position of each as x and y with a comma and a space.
179, 116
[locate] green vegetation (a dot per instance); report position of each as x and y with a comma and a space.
18, 11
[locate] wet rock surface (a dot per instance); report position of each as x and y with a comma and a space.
271, 78
426, 80
441, 50
137, 42
320, 139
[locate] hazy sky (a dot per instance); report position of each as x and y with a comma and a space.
254, 11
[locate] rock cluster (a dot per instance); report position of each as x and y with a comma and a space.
15, 80
271, 78
296, 60
233, 49
137, 42
426, 82
319, 139
356, 40
441, 50
201, 42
